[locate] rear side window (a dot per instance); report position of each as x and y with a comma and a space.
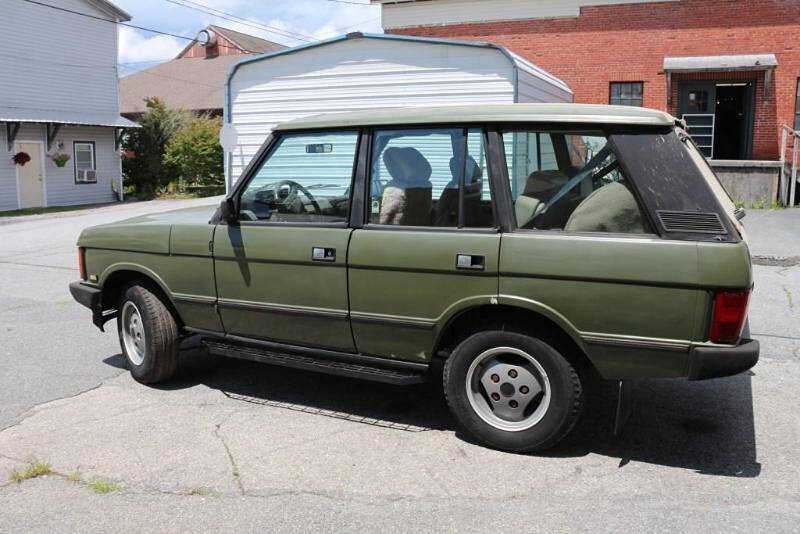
306, 179
430, 178
570, 182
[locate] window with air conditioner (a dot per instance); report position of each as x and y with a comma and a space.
85, 162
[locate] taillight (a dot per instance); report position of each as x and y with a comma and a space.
82, 262
727, 319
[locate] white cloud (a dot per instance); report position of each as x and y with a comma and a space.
136, 48
290, 22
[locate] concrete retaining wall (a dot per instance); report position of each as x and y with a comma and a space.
750, 182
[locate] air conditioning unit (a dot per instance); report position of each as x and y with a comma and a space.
87, 176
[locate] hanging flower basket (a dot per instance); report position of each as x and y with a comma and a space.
60, 158
21, 158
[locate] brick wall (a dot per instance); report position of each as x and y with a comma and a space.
224, 47
629, 42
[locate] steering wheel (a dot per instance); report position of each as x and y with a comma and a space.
290, 198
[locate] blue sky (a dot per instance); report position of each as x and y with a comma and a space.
289, 22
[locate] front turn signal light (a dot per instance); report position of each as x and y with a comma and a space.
82, 262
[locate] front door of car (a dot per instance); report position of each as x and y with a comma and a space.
282, 270
430, 245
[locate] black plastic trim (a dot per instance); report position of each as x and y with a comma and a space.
283, 310
718, 362
391, 322
325, 354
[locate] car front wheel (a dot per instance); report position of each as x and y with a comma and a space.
511, 391
148, 334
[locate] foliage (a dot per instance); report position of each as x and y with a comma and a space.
21, 158
34, 469
144, 148
195, 155
60, 158
101, 485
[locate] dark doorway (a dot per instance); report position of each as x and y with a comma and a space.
732, 120
719, 116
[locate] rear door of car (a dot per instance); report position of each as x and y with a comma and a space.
429, 244
281, 271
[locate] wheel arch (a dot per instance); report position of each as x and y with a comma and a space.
515, 315
117, 276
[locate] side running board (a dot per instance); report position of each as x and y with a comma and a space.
324, 363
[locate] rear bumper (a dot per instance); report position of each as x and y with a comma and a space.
716, 362
92, 298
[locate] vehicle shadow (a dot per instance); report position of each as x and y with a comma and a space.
707, 426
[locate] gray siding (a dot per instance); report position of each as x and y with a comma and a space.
8, 180
52, 60
60, 186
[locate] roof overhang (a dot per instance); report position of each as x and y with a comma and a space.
739, 63
108, 7
79, 118
720, 63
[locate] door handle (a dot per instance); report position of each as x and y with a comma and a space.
323, 254
470, 262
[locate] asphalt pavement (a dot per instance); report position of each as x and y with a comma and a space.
237, 446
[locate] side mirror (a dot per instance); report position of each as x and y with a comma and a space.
227, 211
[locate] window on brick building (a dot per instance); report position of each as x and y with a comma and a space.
797, 108
627, 93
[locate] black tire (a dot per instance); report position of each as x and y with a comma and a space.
159, 358
566, 393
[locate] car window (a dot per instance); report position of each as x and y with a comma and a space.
421, 177
306, 178
571, 182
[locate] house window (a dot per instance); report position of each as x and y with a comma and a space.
626, 93
797, 108
85, 162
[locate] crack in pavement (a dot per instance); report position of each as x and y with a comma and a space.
234, 468
30, 412
23, 264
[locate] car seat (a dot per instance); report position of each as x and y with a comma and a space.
407, 197
447, 208
612, 208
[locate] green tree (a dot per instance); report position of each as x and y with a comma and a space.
144, 148
195, 154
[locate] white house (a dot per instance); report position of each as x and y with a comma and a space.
59, 98
363, 71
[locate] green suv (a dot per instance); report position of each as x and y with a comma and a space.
527, 246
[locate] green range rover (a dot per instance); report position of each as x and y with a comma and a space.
528, 246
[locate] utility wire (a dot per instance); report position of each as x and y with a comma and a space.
151, 30
239, 20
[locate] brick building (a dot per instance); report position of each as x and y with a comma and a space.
731, 68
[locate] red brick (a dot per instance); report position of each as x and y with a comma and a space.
629, 42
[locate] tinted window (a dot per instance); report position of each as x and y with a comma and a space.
627, 93
569, 181
420, 177
306, 178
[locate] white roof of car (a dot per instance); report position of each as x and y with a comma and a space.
497, 113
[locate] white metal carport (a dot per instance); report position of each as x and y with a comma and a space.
364, 71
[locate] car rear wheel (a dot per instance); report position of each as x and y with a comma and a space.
148, 334
511, 391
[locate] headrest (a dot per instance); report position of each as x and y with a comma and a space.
407, 167
472, 175
539, 181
